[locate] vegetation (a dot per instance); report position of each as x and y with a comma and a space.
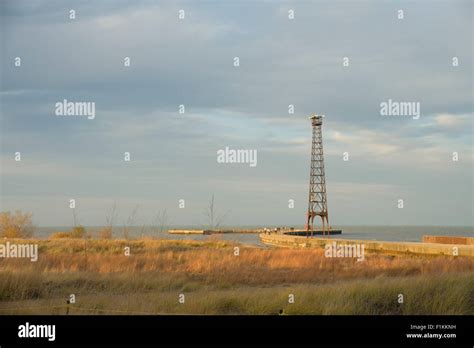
76, 232
16, 225
215, 281
106, 232
160, 222
127, 227
214, 220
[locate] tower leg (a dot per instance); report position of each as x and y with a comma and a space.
322, 219
308, 217
327, 226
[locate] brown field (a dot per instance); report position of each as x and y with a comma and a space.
215, 281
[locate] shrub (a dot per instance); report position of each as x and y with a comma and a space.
16, 225
59, 235
105, 233
76, 232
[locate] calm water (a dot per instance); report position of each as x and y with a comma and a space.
385, 233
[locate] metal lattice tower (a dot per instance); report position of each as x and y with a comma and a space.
317, 205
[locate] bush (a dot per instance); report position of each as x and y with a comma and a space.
16, 225
76, 232
59, 235
105, 233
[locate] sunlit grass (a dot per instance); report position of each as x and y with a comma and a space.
216, 281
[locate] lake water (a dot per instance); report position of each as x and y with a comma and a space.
382, 233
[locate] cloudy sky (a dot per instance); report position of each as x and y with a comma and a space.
283, 61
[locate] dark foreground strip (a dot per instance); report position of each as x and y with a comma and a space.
191, 331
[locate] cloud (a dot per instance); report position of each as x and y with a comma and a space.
366, 142
450, 120
189, 62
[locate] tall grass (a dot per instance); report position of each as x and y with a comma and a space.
257, 281
440, 295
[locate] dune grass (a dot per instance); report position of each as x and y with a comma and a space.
216, 281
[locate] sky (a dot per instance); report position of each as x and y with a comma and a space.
282, 61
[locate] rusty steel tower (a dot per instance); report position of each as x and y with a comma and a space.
317, 204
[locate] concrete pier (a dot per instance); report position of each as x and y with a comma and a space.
449, 240
186, 231
260, 230
282, 240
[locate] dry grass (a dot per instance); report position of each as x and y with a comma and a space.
16, 225
76, 232
100, 273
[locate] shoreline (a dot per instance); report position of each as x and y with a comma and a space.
386, 247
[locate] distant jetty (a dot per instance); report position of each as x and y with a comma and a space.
265, 230
259, 230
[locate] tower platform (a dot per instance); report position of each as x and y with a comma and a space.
315, 232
